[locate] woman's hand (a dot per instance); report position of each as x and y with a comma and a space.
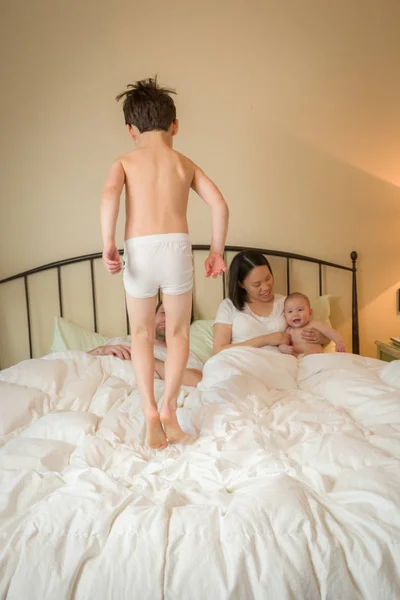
313, 336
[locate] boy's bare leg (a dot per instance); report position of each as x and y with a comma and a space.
141, 313
178, 310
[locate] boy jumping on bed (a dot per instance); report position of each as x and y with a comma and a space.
158, 252
298, 313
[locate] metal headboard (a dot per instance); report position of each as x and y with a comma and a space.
286, 255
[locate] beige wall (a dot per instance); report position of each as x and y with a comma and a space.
292, 107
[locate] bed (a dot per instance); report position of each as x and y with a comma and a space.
290, 488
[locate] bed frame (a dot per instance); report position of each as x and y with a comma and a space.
196, 248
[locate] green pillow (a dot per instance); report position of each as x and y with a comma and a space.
201, 339
68, 336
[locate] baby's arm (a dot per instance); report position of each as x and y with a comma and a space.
208, 191
330, 333
287, 348
109, 208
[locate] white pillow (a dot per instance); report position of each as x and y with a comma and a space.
70, 427
37, 455
390, 374
20, 405
322, 309
322, 312
68, 336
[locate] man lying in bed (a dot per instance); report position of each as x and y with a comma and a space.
193, 371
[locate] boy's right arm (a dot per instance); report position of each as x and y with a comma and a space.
109, 208
331, 334
208, 191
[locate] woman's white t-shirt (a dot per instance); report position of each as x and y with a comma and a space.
246, 324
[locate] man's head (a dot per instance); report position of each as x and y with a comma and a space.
297, 310
148, 107
160, 323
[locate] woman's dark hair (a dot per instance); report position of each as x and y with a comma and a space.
242, 264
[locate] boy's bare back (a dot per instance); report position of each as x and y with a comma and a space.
157, 184
157, 180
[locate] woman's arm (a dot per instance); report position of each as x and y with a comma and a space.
223, 339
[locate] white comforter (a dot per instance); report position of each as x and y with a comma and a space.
290, 491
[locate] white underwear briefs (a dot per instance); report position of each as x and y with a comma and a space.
158, 261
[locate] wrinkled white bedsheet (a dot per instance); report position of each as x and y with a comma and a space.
291, 489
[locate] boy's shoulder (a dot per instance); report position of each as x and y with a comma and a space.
137, 152
315, 323
185, 159
131, 160
128, 156
124, 159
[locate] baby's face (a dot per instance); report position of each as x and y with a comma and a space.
297, 312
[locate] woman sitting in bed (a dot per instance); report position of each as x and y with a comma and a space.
253, 314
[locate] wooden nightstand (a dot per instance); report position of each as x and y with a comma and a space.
387, 351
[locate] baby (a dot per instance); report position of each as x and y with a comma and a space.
298, 314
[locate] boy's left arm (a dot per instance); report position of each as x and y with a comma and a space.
330, 333
109, 208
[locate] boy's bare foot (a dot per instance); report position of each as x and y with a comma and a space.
156, 437
172, 429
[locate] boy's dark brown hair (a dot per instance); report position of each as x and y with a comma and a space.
148, 106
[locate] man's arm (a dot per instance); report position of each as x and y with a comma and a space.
331, 334
122, 352
109, 208
208, 191
190, 376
